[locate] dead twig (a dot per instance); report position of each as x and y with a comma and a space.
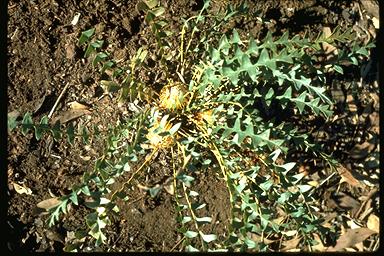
369, 196
58, 100
177, 244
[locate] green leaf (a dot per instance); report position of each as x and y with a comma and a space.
151, 3
155, 191
85, 135
191, 234
174, 128
142, 6
186, 219
86, 35
250, 244
73, 198
27, 123
71, 133
190, 248
56, 131
284, 197
304, 188
208, 238
266, 185
338, 69
203, 220
89, 51
97, 44
99, 57
158, 11
288, 166
12, 123
193, 193
235, 37
86, 191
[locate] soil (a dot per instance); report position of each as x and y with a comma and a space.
43, 57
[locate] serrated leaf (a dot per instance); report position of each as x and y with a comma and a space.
155, 190
288, 166
235, 37
12, 123
284, 197
27, 123
266, 185
86, 35
73, 198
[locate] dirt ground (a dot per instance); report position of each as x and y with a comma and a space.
43, 57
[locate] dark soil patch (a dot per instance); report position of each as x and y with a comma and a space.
43, 57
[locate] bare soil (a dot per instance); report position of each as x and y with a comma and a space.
43, 57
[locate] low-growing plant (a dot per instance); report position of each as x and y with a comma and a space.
228, 104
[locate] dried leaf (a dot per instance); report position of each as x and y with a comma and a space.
69, 115
170, 189
347, 202
75, 19
320, 246
347, 176
350, 238
49, 203
313, 183
77, 105
21, 189
360, 151
289, 232
373, 223
85, 158
291, 244
258, 238
328, 48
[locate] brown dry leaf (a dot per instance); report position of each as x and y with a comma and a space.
170, 189
350, 238
85, 158
291, 244
371, 7
69, 115
77, 105
320, 246
347, 202
21, 189
49, 203
347, 176
360, 151
376, 22
257, 238
373, 223
328, 48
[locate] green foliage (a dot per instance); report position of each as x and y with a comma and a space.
235, 120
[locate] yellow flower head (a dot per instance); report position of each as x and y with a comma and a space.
173, 96
206, 116
157, 141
